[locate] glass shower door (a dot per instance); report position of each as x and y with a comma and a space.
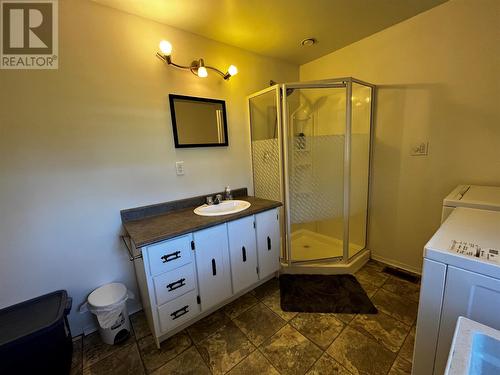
265, 129
265, 137
314, 124
361, 113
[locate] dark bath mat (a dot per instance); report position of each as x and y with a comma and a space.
324, 294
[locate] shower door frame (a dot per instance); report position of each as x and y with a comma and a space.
277, 89
344, 82
279, 134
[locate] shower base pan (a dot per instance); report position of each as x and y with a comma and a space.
316, 253
309, 246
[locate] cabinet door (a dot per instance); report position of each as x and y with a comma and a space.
468, 294
243, 253
212, 265
268, 242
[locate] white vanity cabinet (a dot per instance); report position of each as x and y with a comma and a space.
268, 242
212, 262
243, 252
185, 278
167, 281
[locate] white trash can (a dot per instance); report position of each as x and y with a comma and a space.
109, 304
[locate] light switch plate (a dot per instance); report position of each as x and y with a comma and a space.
179, 168
419, 149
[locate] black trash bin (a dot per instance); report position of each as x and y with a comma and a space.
35, 337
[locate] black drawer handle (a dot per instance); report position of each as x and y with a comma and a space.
268, 243
176, 284
169, 257
182, 311
244, 253
214, 267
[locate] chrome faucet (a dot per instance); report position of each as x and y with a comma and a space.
218, 199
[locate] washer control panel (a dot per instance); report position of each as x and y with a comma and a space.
474, 250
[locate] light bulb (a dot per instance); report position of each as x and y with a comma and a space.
165, 47
202, 72
232, 70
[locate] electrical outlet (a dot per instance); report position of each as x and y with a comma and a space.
419, 149
179, 168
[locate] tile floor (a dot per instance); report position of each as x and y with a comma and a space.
252, 335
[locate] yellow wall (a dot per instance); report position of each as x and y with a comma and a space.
438, 81
80, 143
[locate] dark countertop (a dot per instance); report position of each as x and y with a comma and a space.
148, 230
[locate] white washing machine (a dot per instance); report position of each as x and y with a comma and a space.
472, 196
461, 277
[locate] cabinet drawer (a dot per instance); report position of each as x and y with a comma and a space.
169, 255
173, 284
178, 311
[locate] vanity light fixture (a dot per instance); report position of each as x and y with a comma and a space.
197, 67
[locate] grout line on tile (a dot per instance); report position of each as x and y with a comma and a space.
171, 359
203, 359
140, 357
267, 359
397, 297
112, 352
205, 338
245, 357
317, 359
242, 312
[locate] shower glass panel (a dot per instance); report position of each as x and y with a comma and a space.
311, 151
265, 129
361, 112
265, 133
315, 124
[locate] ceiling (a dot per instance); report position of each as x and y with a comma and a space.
276, 27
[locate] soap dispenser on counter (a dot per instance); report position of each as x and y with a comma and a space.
227, 193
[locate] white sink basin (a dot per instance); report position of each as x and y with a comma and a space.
485, 355
223, 208
475, 349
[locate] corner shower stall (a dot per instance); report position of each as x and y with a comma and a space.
311, 151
